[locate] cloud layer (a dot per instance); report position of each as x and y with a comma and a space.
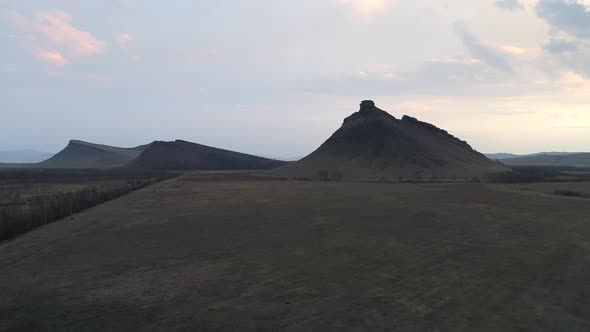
568, 16
569, 44
481, 51
497, 73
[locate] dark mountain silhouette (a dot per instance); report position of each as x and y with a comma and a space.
374, 145
177, 155
80, 154
182, 155
566, 159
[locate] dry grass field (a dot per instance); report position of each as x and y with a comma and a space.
580, 189
236, 253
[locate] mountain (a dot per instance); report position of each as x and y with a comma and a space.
501, 156
572, 160
80, 154
374, 145
23, 156
177, 155
182, 155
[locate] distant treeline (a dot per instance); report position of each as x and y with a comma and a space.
23, 212
52, 175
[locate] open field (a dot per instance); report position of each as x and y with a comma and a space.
573, 189
233, 253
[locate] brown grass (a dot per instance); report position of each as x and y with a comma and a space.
248, 255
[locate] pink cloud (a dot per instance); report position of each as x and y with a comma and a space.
54, 30
57, 26
509, 49
366, 8
53, 58
124, 40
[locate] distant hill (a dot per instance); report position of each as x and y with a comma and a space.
572, 160
374, 145
500, 156
23, 156
177, 155
80, 154
182, 155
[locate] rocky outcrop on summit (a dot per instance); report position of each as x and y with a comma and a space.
373, 145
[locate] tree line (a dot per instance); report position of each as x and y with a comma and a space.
23, 215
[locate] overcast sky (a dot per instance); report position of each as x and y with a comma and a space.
276, 77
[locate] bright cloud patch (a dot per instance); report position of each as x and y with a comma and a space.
509, 49
491, 55
49, 57
57, 26
54, 30
124, 40
366, 8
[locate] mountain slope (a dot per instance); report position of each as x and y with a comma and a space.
182, 155
573, 160
79, 154
374, 145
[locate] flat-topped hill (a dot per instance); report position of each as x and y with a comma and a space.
182, 155
80, 154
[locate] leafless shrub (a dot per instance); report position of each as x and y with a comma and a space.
336, 176
324, 175
20, 216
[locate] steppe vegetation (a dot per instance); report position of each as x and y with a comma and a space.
237, 252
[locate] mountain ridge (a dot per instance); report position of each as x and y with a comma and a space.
184, 155
568, 160
503, 155
160, 155
82, 154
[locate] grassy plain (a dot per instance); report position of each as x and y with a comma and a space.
235, 253
581, 189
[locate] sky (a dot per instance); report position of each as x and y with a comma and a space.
277, 77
